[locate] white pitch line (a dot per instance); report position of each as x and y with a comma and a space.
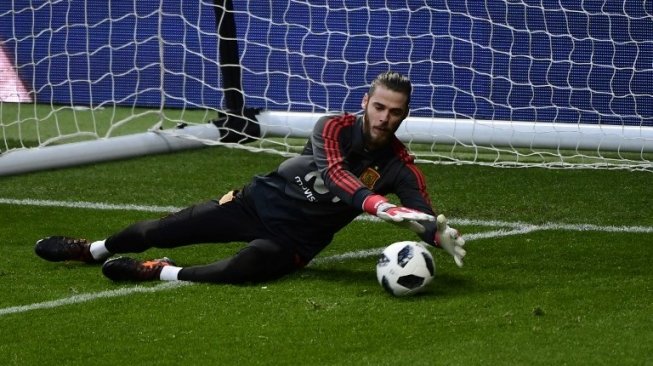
590, 227
468, 237
88, 205
76, 299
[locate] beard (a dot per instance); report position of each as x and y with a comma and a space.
374, 139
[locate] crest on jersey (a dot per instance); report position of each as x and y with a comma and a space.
369, 177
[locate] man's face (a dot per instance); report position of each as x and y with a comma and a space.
384, 112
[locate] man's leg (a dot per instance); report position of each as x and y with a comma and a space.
262, 260
207, 222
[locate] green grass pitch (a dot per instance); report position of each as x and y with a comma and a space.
559, 271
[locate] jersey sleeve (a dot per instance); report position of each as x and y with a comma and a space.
331, 139
412, 191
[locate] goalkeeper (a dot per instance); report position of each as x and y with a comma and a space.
289, 215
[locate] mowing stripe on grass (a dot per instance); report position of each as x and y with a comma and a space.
81, 298
76, 299
517, 228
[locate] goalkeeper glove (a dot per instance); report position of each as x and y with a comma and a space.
450, 240
379, 206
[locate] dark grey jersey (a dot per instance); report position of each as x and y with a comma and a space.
312, 196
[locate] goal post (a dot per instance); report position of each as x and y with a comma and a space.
557, 84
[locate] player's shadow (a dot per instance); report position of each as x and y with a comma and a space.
443, 285
336, 275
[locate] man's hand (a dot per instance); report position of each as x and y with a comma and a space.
379, 206
450, 240
390, 212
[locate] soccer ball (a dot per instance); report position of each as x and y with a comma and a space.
405, 268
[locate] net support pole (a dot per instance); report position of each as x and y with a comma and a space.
95, 151
239, 125
229, 55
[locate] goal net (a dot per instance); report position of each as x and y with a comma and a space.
514, 83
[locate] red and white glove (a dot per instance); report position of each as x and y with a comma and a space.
450, 240
379, 206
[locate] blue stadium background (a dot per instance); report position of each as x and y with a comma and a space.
563, 61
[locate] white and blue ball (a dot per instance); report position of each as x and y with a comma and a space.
405, 268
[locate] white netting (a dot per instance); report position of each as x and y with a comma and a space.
509, 83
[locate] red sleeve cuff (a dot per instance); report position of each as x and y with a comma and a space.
372, 202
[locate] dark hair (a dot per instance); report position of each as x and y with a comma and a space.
393, 81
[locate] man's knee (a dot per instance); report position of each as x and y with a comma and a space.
262, 260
